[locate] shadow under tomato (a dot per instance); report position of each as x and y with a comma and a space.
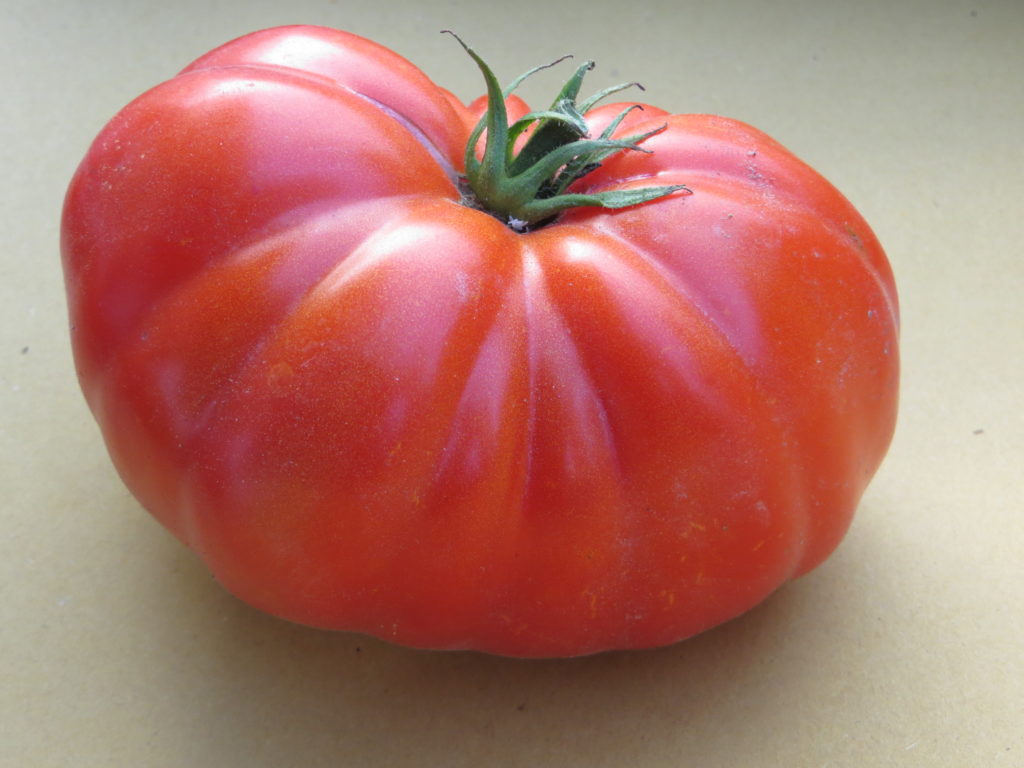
283, 694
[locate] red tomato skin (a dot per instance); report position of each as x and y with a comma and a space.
368, 407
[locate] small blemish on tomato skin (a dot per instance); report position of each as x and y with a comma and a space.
279, 378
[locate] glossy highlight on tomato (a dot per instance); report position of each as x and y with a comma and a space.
370, 406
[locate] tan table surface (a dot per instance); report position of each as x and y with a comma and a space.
904, 649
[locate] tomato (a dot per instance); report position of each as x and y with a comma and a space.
369, 404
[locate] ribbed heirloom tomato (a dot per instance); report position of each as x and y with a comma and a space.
536, 397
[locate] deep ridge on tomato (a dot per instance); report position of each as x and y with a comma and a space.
370, 407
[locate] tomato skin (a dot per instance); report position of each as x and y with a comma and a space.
368, 407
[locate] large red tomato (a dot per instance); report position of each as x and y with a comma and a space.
370, 405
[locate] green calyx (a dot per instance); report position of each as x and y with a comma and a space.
527, 188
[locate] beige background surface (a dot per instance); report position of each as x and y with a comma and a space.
905, 649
